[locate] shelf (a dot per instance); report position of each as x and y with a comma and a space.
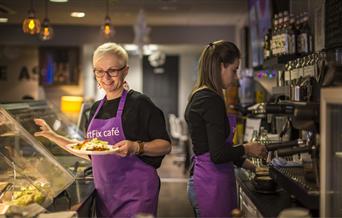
281, 90
278, 63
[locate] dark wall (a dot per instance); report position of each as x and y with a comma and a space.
333, 24
162, 88
80, 35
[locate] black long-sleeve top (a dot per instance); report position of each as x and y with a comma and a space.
209, 128
141, 120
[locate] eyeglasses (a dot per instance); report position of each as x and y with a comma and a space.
111, 72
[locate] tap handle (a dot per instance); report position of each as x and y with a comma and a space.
276, 146
292, 151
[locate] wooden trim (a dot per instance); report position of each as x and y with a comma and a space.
328, 96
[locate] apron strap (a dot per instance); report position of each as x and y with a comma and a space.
122, 103
97, 111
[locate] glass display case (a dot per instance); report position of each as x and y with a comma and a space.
331, 152
25, 113
28, 171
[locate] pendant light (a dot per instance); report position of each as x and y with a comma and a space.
46, 32
107, 29
31, 24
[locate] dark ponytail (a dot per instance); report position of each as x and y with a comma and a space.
209, 66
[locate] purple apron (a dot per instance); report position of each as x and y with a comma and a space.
214, 184
232, 124
125, 186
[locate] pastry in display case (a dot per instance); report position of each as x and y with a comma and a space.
25, 113
29, 173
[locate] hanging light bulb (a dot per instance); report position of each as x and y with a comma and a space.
46, 32
31, 24
107, 29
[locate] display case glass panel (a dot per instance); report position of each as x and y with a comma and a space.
26, 112
27, 164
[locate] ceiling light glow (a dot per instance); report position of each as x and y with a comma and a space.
77, 14
3, 19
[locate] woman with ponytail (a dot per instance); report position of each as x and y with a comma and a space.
211, 187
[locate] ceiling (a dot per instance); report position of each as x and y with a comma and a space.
124, 12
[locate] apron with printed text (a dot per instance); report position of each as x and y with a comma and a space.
125, 186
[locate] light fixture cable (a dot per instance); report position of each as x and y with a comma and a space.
107, 8
46, 9
107, 28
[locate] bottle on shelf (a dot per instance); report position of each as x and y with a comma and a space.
308, 31
267, 44
263, 136
304, 43
289, 35
299, 70
278, 32
292, 35
255, 136
274, 35
298, 30
284, 35
287, 73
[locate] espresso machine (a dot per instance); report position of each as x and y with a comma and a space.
293, 160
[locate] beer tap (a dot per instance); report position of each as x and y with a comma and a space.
311, 148
282, 145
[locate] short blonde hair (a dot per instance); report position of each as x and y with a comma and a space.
110, 48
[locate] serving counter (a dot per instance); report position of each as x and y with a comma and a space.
33, 170
256, 204
77, 197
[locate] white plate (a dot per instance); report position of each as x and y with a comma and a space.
111, 151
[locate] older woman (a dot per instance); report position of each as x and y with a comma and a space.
126, 183
211, 187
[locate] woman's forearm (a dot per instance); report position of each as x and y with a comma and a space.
157, 147
47, 132
62, 141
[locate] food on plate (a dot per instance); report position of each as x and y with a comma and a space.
27, 195
92, 145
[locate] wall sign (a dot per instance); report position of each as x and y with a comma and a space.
18, 72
